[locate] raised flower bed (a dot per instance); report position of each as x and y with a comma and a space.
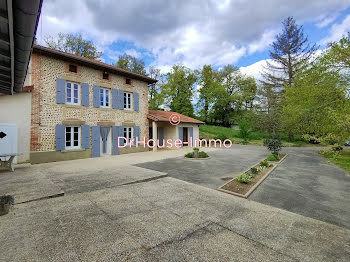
244, 184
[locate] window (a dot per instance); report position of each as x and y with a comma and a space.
127, 101
105, 75
72, 91
104, 98
128, 81
72, 137
73, 68
128, 134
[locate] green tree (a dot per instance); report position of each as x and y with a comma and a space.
131, 63
291, 53
209, 85
74, 44
178, 90
317, 105
339, 54
155, 97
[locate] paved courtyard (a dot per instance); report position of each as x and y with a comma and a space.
223, 163
112, 210
306, 184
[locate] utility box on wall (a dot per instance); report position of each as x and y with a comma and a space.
8, 140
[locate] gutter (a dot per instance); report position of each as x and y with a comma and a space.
26, 16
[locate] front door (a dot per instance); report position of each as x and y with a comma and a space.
185, 136
105, 140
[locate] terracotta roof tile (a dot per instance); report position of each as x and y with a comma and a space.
165, 115
63, 55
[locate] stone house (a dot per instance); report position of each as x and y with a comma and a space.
73, 107
80, 106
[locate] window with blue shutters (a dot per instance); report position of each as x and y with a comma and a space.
72, 137
105, 98
72, 93
127, 101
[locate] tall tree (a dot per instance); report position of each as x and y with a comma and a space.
74, 44
155, 98
132, 64
209, 83
291, 53
178, 91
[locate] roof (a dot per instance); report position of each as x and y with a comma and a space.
90, 63
164, 116
18, 25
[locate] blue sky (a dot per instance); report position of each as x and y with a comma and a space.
192, 32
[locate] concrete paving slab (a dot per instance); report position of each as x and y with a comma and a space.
306, 184
89, 226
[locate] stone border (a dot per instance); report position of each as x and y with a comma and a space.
246, 195
198, 158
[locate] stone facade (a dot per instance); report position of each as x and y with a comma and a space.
46, 113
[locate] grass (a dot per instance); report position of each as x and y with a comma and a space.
255, 138
341, 159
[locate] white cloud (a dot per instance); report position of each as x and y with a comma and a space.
255, 69
264, 42
193, 32
324, 21
337, 31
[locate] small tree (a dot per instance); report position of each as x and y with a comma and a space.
244, 130
274, 144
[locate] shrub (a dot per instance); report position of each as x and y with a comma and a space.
273, 157
274, 144
189, 155
337, 147
254, 170
202, 154
195, 148
264, 163
244, 130
7, 199
244, 178
222, 137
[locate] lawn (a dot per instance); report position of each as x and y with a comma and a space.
256, 138
341, 159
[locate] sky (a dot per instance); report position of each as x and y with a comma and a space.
192, 32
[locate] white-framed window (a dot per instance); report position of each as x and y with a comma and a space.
127, 101
73, 135
128, 134
72, 93
105, 98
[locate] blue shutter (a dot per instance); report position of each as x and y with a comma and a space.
191, 135
115, 134
160, 135
96, 94
136, 102
96, 141
85, 136
60, 134
85, 94
181, 134
121, 134
137, 133
114, 98
121, 99
60, 91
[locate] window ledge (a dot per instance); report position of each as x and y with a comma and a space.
73, 150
